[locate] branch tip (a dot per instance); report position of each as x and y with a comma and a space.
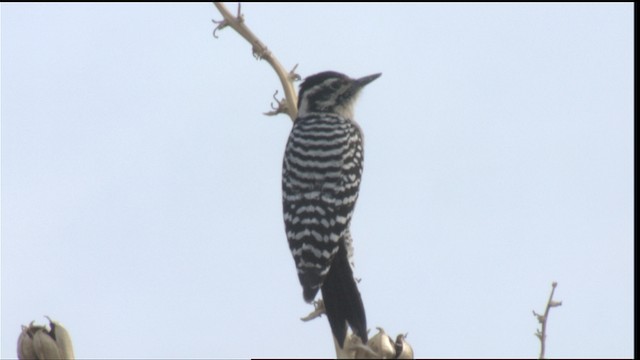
541, 334
293, 76
240, 16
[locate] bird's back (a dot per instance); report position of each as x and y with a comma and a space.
321, 176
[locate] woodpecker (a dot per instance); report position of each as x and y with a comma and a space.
321, 175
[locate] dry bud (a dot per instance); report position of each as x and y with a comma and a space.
383, 345
40, 342
403, 349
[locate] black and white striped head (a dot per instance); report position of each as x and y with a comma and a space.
330, 92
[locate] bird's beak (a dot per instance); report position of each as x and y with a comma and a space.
366, 80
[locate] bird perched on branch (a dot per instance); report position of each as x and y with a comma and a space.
321, 177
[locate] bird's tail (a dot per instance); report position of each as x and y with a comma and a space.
342, 300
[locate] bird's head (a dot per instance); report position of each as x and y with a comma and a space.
330, 92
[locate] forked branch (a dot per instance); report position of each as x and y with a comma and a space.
287, 105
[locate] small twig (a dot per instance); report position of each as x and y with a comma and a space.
289, 104
542, 319
317, 312
277, 109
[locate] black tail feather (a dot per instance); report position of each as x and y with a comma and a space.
342, 300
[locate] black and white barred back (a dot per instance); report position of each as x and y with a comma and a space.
321, 177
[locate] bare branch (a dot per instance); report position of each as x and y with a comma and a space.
289, 104
541, 334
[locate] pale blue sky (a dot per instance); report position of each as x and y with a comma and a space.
141, 182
